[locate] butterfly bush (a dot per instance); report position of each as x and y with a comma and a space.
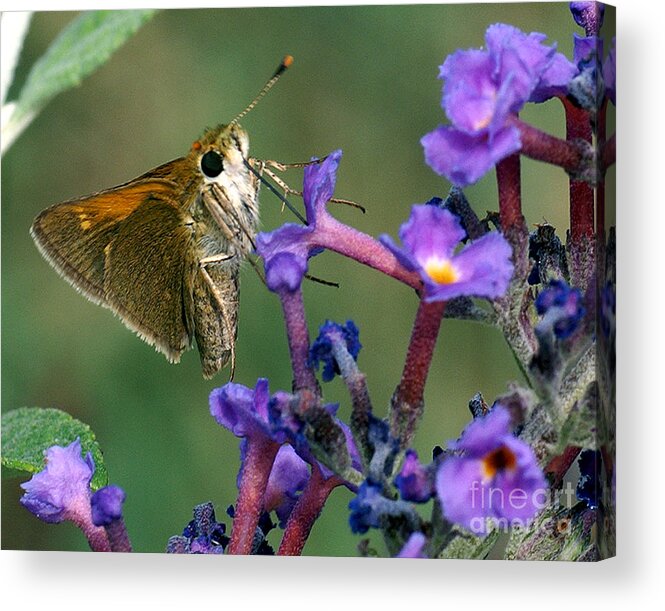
510, 468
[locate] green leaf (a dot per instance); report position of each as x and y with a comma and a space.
28, 431
82, 47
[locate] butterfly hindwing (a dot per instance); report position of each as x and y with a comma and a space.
215, 324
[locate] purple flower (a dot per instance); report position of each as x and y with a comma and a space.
322, 350
106, 511
494, 475
106, 505
526, 64
366, 508
285, 271
62, 490
587, 49
562, 307
413, 548
288, 478
482, 268
588, 15
610, 73
554, 81
286, 250
465, 158
413, 481
482, 90
319, 185
244, 411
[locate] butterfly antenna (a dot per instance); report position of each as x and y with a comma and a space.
286, 62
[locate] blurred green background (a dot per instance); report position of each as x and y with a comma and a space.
364, 80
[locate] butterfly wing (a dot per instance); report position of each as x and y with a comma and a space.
149, 267
130, 249
72, 236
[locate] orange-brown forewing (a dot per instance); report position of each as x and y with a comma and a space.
131, 249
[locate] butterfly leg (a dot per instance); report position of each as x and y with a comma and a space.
215, 259
289, 191
282, 167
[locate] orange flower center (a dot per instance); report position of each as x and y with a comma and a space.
441, 271
501, 459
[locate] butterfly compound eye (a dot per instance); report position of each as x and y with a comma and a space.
212, 164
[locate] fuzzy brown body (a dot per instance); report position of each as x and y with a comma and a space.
163, 251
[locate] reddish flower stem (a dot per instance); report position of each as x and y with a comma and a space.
96, 535
350, 242
510, 197
298, 337
578, 127
581, 210
541, 146
254, 476
407, 401
609, 152
118, 537
306, 512
559, 465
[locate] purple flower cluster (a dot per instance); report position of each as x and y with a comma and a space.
482, 90
288, 477
294, 450
106, 505
256, 416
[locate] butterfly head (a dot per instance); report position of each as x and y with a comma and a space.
219, 150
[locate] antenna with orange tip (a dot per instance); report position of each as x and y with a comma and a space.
286, 62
